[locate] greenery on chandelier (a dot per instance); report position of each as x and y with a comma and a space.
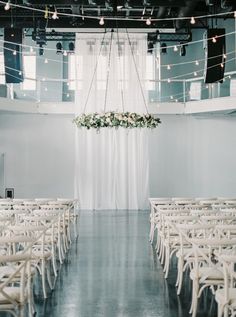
116, 119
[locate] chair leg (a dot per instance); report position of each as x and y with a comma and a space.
194, 303
43, 279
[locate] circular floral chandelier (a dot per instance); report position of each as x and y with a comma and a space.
116, 120
113, 119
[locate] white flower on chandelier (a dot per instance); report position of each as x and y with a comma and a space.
116, 120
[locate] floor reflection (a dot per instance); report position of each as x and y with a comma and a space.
112, 271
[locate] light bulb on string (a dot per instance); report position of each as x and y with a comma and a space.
175, 48
7, 6
235, 14
14, 52
148, 21
225, 56
67, 95
55, 16
196, 63
68, 84
214, 39
20, 73
195, 73
222, 65
192, 21
101, 21
168, 67
171, 97
46, 61
176, 100
65, 53
168, 80
31, 49
229, 77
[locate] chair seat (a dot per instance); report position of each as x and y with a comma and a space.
220, 296
207, 274
13, 292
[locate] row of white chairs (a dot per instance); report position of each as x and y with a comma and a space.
203, 239
34, 242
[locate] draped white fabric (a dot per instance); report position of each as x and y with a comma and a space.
111, 167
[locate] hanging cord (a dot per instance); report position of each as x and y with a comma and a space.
136, 68
108, 72
121, 79
94, 73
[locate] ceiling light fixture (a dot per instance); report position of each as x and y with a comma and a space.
192, 21
163, 48
59, 48
101, 22
175, 48
55, 16
148, 21
7, 6
71, 47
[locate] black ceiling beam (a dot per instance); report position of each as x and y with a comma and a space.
86, 23
132, 3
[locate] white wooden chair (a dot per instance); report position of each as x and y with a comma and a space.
15, 285
226, 296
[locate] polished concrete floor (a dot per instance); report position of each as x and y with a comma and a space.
112, 271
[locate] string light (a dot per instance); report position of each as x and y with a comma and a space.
68, 84
192, 21
225, 56
176, 100
222, 65
14, 52
67, 95
101, 22
55, 16
148, 21
195, 73
20, 73
235, 14
65, 53
46, 61
197, 63
31, 49
168, 67
7, 6
175, 48
214, 39
168, 80
171, 97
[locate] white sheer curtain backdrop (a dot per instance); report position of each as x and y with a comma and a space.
111, 167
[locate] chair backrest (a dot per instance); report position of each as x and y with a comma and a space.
16, 266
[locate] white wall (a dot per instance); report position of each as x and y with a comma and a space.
39, 154
193, 156
189, 156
